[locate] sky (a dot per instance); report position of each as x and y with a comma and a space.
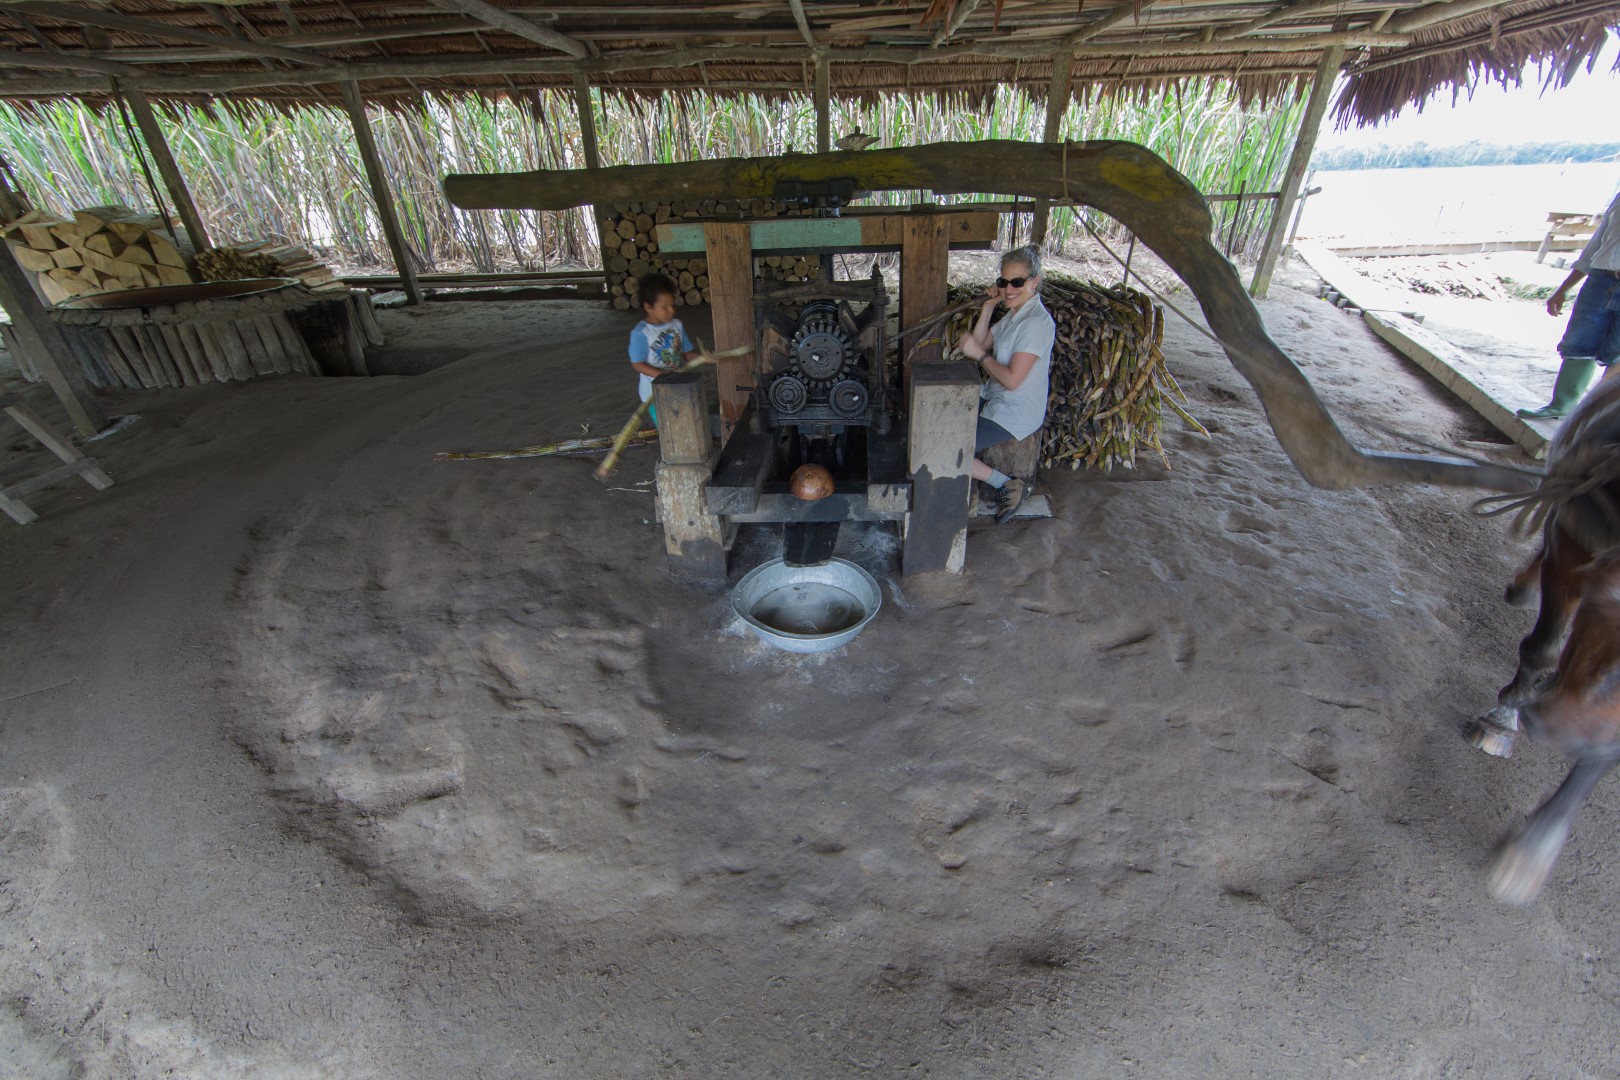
1587, 110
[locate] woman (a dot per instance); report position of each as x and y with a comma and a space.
1016, 354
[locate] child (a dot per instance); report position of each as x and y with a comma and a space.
659, 341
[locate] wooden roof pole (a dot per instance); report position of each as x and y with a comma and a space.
379, 190
112, 20
46, 346
587, 121
1298, 161
823, 103
147, 121
1058, 96
593, 156
517, 25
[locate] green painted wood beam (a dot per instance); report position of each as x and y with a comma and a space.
787, 234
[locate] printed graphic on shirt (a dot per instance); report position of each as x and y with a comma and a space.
664, 352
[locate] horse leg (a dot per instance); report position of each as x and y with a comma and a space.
1524, 862
1560, 560
1524, 583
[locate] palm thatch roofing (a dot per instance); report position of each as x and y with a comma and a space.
299, 52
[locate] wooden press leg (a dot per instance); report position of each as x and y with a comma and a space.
693, 538
944, 418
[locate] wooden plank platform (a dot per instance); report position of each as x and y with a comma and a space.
1492, 394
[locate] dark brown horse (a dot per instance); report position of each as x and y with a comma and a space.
1569, 700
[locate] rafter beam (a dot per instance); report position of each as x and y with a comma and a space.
517, 24
1298, 10
804, 23
109, 20
312, 40
1126, 10
963, 9
165, 83
55, 60
1433, 14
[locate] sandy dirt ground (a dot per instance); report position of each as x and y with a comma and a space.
321, 759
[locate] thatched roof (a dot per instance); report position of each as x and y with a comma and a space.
298, 52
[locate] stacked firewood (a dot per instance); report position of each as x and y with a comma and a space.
262, 258
1109, 385
630, 246
99, 249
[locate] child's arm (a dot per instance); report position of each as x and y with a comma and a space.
640, 353
687, 348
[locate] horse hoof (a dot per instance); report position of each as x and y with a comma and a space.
1518, 874
1491, 737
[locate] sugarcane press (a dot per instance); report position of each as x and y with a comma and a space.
822, 388
824, 397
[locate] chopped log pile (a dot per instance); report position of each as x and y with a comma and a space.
99, 249
630, 248
1109, 385
264, 258
227, 339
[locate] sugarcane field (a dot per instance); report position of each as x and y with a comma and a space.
809, 539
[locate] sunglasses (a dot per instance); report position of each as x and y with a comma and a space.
1011, 283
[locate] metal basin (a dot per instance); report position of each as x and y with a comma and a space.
807, 609
158, 295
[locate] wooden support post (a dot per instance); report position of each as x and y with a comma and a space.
823, 103
694, 539
593, 159
379, 190
924, 267
1058, 96
731, 308
944, 416
1315, 109
147, 121
73, 463
46, 346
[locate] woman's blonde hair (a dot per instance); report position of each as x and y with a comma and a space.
1029, 255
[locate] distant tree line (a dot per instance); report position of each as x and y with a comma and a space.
1423, 156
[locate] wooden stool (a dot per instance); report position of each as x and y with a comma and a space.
1020, 459
73, 462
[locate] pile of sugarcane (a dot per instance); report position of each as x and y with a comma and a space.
1109, 383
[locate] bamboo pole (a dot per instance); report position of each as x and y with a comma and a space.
379, 190
823, 103
1315, 109
147, 121
46, 346
1058, 95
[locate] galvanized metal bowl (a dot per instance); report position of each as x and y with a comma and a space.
807, 609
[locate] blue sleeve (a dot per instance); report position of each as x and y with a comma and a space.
686, 341
639, 347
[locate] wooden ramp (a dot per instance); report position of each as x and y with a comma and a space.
1490, 393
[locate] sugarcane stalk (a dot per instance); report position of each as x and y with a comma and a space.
553, 449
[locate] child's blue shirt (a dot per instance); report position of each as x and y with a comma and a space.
664, 347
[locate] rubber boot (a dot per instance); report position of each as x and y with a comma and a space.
1574, 376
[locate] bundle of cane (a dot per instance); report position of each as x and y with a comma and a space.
1109, 385
632, 425
562, 448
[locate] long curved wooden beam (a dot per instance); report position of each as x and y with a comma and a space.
1126, 181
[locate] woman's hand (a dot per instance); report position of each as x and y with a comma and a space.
992, 295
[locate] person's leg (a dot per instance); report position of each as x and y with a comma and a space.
1009, 490
989, 434
1591, 326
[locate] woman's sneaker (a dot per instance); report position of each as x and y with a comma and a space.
1009, 497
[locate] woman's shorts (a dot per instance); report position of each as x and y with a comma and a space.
991, 434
